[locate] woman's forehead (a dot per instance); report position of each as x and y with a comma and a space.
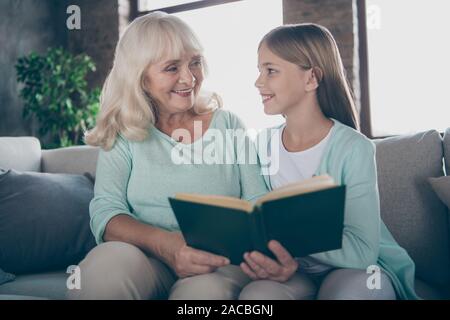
176, 58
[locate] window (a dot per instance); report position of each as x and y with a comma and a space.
230, 34
408, 60
148, 5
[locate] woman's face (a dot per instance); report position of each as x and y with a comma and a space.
282, 84
174, 84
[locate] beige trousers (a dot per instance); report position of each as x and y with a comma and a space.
230, 283
118, 270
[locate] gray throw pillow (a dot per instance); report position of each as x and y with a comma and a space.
409, 207
44, 220
441, 186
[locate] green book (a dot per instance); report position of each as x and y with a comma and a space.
305, 217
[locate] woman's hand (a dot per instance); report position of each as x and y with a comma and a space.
186, 261
258, 266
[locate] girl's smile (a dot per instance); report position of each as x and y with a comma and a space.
266, 97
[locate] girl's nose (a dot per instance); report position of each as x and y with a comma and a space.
258, 82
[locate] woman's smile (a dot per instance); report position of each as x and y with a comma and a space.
184, 93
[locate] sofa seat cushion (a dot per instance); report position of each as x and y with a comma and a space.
409, 207
49, 285
19, 297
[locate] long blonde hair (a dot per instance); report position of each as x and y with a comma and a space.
125, 106
309, 46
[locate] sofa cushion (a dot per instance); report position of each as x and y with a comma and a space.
44, 220
447, 151
17, 297
411, 210
5, 277
441, 186
20, 153
75, 160
426, 292
47, 285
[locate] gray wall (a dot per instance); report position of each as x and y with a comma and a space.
25, 25
35, 25
98, 35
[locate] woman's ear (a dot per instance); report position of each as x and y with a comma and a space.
144, 83
314, 78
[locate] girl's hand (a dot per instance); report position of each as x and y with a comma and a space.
258, 266
186, 261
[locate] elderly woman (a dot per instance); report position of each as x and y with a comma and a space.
153, 93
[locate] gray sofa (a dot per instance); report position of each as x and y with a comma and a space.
418, 220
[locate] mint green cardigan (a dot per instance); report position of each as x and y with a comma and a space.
349, 158
137, 177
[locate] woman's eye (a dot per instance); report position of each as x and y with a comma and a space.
172, 69
197, 63
270, 71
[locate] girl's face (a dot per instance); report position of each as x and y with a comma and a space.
174, 84
282, 84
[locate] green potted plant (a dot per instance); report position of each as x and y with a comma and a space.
55, 91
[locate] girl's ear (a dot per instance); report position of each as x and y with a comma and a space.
314, 78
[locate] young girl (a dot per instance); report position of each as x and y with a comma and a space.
302, 77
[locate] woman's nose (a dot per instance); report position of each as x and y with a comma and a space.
187, 77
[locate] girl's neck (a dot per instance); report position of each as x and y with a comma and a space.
305, 127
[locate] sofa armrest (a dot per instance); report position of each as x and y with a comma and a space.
75, 160
20, 153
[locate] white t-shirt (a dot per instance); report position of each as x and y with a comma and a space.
295, 167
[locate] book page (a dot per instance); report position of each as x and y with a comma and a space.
214, 200
309, 185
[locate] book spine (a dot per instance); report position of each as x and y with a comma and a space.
259, 235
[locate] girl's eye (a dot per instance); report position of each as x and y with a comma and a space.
270, 71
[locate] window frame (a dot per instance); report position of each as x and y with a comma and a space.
134, 10
364, 112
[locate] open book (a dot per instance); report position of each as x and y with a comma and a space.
305, 217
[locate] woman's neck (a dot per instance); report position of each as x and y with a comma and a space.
306, 126
174, 120
195, 124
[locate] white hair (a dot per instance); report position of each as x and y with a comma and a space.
125, 106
